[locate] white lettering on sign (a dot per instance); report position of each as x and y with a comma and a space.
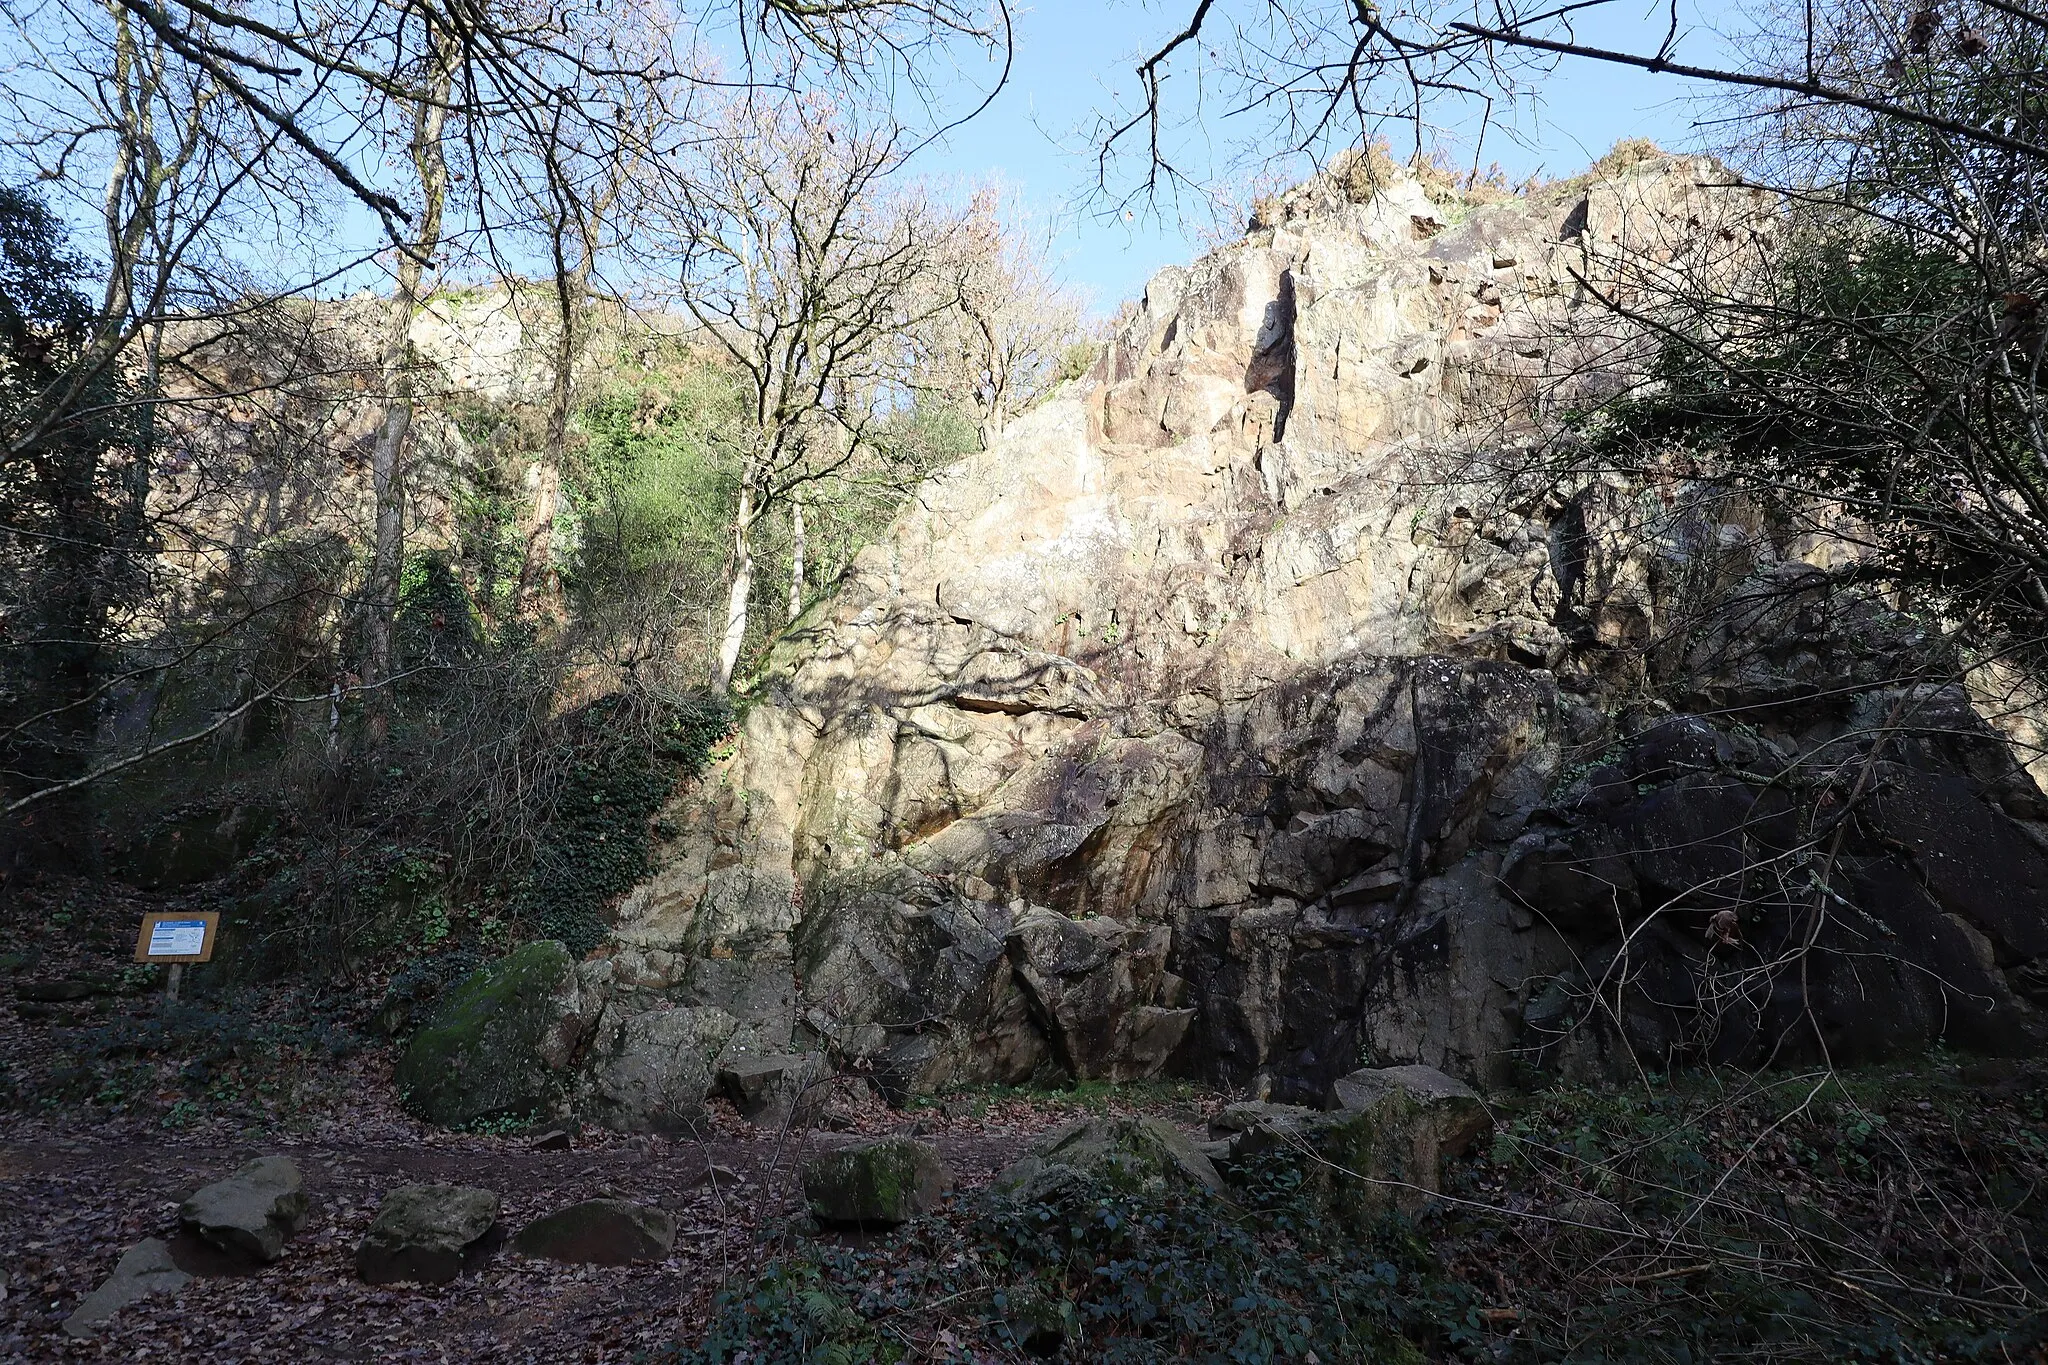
177, 938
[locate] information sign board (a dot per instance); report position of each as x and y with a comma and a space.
177, 936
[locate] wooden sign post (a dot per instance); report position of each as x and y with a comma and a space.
177, 937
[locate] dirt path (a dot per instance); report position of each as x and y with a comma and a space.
70, 1205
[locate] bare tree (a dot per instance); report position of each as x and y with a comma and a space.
998, 345
794, 253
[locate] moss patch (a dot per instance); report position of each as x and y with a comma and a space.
480, 1056
877, 1184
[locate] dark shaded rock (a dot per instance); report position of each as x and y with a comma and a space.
875, 1184
774, 1089
554, 1140
194, 844
1094, 984
651, 1072
1038, 1323
500, 1043
1972, 859
253, 1212
145, 1268
1676, 747
426, 1234
599, 1232
72, 988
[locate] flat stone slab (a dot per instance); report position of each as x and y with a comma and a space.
145, 1268
599, 1232
426, 1234
251, 1213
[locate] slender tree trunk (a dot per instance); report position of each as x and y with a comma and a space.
537, 580
387, 457
742, 584
796, 559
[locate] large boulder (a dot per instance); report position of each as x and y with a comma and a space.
252, 1213
875, 1184
599, 1232
1129, 1153
650, 1071
426, 1234
1101, 989
501, 1043
1381, 1144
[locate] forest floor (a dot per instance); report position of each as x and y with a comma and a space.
1895, 1212
115, 1105
73, 1197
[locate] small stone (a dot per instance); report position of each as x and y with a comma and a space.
875, 1184
145, 1268
554, 1140
1037, 1322
424, 1233
253, 1212
715, 1174
61, 990
599, 1232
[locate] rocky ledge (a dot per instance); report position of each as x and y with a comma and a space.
1223, 721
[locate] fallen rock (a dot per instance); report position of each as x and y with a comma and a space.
599, 1232
501, 1043
253, 1212
1442, 1114
1381, 1145
554, 1140
69, 988
145, 1268
875, 1184
716, 1175
1037, 1322
1140, 1153
775, 1089
1096, 985
650, 1072
426, 1233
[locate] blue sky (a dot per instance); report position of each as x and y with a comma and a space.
1074, 57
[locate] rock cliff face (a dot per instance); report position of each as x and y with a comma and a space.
1208, 725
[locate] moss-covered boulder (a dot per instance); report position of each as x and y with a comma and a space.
1128, 1153
875, 1184
1380, 1145
501, 1043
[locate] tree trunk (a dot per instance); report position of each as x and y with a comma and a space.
387, 457
536, 566
796, 559
742, 585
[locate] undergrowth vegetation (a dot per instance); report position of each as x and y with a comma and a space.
1876, 1216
